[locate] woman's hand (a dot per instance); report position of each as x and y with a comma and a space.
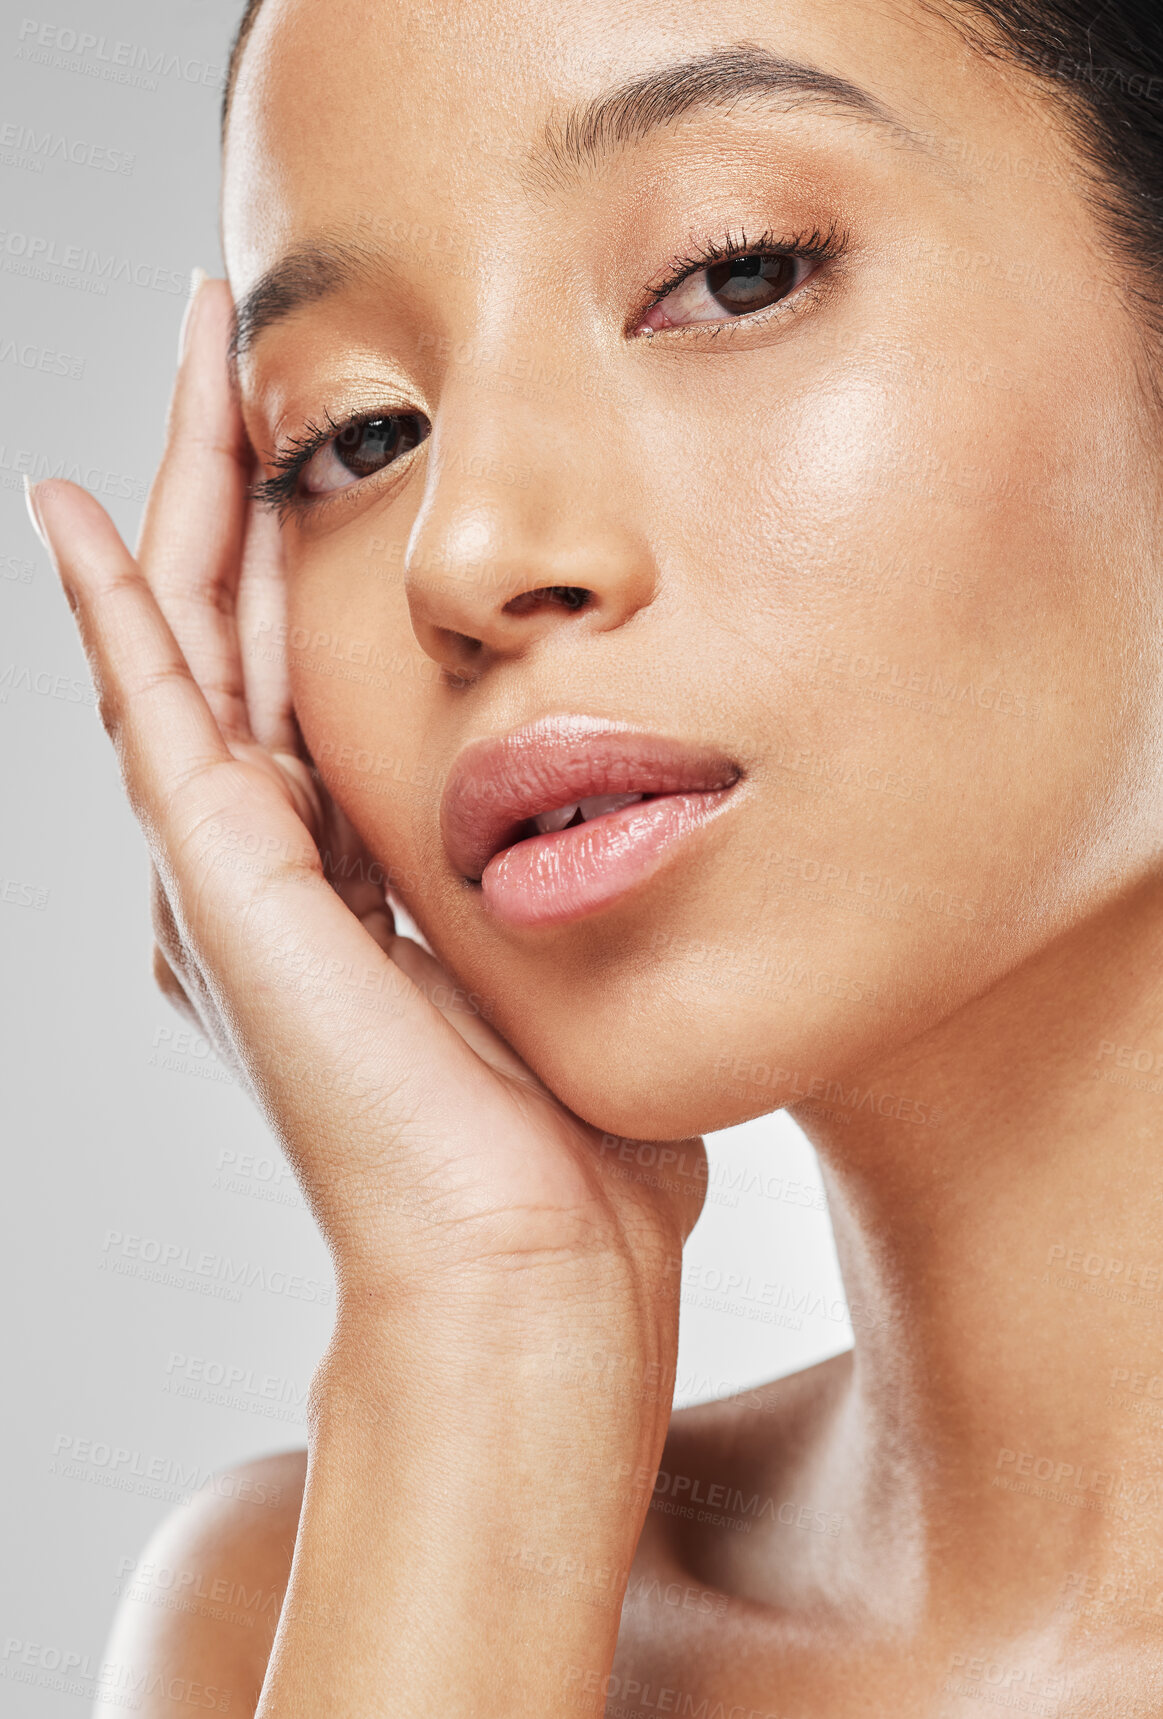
488, 1419
423, 1144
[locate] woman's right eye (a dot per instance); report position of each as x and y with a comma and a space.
360, 450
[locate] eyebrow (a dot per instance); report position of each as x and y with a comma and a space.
628, 114
303, 276
583, 137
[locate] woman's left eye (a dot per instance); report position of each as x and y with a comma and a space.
359, 450
735, 286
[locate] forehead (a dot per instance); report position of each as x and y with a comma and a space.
438, 117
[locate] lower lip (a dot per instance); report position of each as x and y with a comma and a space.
567, 874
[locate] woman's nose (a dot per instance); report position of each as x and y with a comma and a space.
519, 533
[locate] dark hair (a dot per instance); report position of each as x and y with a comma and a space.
1102, 59
245, 26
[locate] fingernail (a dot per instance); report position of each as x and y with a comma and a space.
33, 514
197, 276
38, 526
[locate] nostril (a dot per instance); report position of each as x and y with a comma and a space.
565, 596
463, 643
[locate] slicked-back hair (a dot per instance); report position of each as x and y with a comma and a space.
245, 26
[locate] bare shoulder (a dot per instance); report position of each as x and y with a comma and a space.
714, 1450
200, 1605
784, 1412
719, 1461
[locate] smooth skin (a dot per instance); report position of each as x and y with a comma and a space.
896, 548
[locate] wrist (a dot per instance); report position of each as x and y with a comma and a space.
527, 1409
542, 1336
480, 1467
492, 1392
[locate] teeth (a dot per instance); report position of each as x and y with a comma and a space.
555, 820
605, 803
594, 807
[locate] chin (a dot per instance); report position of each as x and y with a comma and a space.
723, 990
650, 1061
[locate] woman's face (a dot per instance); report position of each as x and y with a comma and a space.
887, 541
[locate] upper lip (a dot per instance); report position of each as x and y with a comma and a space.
497, 784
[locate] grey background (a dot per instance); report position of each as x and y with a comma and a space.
127, 1143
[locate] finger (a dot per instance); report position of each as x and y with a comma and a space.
269, 933
161, 725
172, 988
168, 947
349, 868
174, 968
178, 769
262, 624
191, 540
461, 1009
153, 709
358, 881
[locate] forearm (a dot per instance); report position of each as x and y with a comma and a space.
468, 1525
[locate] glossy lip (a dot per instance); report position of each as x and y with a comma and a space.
497, 784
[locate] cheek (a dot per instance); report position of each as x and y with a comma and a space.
361, 687
943, 648
910, 564
895, 607
880, 595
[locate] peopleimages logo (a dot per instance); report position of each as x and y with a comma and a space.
21, 678
43, 1665
235, 1386
124, 1253
18, 463
825, 1090
37, 254
23, 146
96, 56
49, 360
77, 1458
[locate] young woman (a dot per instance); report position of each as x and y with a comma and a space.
673, 496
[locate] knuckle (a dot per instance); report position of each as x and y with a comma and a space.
110, 714
116, 702
173, 670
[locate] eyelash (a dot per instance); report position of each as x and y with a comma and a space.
814, 246
280, 493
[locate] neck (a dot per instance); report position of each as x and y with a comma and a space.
1005, 1267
